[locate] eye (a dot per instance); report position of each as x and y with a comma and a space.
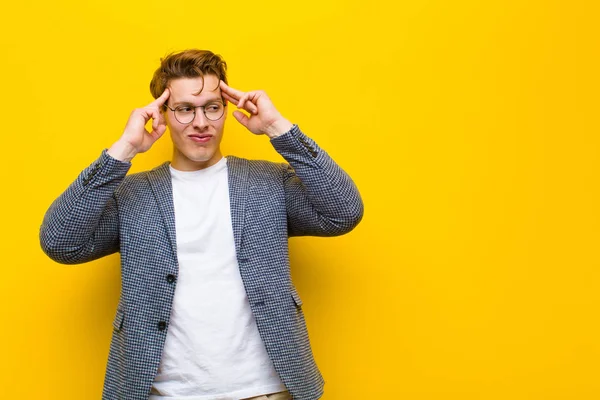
213, 107
184, 109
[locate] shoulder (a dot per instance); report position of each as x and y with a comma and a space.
257, 168
136, 179
141, 180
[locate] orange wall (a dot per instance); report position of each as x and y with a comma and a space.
471, 128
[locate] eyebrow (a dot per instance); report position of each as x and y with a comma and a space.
189, 103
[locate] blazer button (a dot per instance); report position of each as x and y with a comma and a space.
162, 325
170, 278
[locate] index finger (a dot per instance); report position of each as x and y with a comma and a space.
162, 99
231, 91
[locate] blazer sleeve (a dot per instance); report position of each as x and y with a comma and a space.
321, 199
82, 223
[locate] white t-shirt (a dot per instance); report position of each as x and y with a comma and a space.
213, 350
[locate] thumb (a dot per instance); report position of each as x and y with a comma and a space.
241, 118
158, 132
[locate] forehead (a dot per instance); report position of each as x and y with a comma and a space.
187, 89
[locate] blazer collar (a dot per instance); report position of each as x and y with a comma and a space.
237, 170
162, 188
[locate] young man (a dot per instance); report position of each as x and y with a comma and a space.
207, 309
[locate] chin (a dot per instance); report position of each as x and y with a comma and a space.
198, 155
203, 158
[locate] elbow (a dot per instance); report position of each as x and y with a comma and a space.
348, 220
57, 251
354, 217
352, 212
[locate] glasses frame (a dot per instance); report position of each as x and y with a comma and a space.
224, 103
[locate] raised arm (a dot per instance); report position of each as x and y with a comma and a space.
82, 223
321, 199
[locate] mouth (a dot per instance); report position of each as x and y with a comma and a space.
200, 137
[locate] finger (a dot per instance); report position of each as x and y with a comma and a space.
243, 100
159, 125
249, 106
246, 102
144, 113
229, 98
241, 118
160, 122
161, 99
235, 96
157, 133
231, 91
154, 114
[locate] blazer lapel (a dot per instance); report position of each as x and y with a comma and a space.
160, 182
237, 170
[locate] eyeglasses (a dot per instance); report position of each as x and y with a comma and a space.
185, 114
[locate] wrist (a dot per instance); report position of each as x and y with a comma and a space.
122, 151
278, 128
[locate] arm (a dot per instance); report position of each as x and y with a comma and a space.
82, 224
321, 199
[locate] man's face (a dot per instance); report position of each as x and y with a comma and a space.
195, 145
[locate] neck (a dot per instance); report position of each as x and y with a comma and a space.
182, 163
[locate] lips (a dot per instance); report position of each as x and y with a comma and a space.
200, 138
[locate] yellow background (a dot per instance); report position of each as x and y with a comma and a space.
470, 127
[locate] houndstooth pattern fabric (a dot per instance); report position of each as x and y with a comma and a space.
105, 211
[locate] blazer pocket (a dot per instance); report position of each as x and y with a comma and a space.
118, 322
296, 297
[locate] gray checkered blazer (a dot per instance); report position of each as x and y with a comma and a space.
105, 211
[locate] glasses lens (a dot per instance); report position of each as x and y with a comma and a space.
214, 111
184, 115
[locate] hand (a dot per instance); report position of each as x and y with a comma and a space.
264, 117
135, 138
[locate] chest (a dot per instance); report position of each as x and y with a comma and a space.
202, 215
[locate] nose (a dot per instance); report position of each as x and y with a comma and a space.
200, 121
